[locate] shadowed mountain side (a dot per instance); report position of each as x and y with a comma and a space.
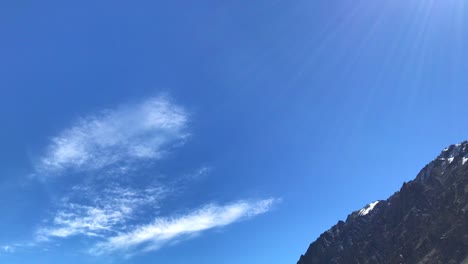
425, 222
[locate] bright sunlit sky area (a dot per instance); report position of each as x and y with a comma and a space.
215, 131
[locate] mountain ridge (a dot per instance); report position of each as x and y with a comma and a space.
426, 221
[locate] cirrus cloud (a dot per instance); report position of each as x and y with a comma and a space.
86, 213
143, 131
120, 214
165, 230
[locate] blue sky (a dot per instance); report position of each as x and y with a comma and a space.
215, 131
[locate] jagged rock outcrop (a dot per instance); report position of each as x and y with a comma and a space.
425, 222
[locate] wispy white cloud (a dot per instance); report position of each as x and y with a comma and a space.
7, 249
165, 230
120, 219
121, 213
98, 215
143, 131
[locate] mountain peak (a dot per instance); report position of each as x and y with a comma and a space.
449, 159
453, 151
425, 222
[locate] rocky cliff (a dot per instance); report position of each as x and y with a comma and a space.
425, 222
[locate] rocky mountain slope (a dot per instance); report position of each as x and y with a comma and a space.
425, 222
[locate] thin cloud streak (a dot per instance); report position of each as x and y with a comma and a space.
7, 249
100, 216
165, 230
144, 131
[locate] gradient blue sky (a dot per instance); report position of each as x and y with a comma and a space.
215, 131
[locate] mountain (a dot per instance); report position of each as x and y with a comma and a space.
425, 222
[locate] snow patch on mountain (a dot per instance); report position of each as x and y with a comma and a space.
366, 210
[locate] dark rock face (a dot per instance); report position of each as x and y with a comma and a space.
425, 222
